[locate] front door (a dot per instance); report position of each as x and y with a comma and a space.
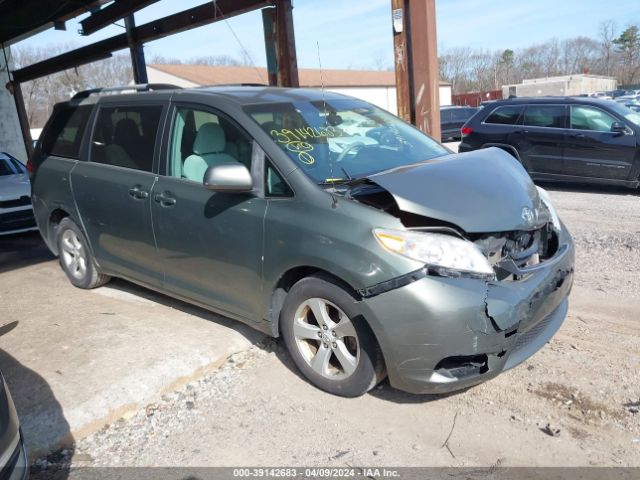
540, 137
210, 243
593, 150
113, 191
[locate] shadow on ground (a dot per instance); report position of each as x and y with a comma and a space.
21, 250
37, 406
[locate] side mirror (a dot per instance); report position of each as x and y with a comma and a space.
618, 127
228, 177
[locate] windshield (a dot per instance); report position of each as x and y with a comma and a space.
10, 166
340, 140
626, 112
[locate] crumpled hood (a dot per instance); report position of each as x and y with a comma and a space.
481, 191
14, 186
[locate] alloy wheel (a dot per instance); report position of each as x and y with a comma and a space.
326, 338
74, 255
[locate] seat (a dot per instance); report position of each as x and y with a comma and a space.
125, 138
208, 150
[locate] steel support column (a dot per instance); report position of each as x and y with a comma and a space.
269, 27
280, 44
416, 63
16, 91
138, 63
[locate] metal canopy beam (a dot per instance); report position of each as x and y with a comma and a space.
416, 62
109, 14
138, 63
21, 18
194, 17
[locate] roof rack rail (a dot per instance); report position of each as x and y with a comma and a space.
244, 84
140, 87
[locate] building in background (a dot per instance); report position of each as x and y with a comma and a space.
377, 87
566, 85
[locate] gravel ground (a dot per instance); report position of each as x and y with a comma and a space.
575, 403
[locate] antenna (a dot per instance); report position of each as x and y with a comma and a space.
326, 125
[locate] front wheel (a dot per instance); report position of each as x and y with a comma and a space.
75, 258
329, 341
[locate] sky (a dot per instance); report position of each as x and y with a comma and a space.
357, 33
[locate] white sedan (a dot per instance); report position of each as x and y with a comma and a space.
16, 212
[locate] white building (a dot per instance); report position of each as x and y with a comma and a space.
377, 87
566, 85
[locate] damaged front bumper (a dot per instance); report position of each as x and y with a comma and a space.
443, 334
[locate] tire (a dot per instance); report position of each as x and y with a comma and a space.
75, 257
343, 359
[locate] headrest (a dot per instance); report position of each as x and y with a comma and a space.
126, 131
209, 139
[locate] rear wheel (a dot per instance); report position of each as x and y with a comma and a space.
75, 258
329, 341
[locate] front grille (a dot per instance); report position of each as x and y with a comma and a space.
523, 247
16, 202
530, 335
17, 220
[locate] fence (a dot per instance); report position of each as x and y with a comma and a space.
473, 99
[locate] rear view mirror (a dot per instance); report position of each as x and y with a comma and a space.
228, 177
618, 127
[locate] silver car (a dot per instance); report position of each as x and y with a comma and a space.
16, 212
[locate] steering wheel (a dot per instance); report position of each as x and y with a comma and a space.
348, 149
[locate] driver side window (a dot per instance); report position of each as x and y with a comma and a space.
201, 139
589, 118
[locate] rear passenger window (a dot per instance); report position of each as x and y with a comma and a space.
64, 135
505, 115
126, 136
544, 116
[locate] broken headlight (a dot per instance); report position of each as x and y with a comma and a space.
443, 254
546, 199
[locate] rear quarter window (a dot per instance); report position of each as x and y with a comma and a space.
64, 134
505, 115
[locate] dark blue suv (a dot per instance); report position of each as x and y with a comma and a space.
574, 139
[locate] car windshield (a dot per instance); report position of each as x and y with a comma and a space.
10, 166
626, 112
340, 140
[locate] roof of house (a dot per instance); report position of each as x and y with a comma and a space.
217, 74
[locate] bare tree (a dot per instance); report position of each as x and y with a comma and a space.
42, 93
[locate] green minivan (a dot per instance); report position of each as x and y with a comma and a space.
371, 251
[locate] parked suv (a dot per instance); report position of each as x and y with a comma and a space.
575, 139
452, 119
368, 252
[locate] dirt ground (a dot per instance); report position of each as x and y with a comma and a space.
575, 403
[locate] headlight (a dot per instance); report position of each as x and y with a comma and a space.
546, 199
444, 254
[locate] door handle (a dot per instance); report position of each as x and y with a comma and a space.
521, 132
165, 199
138, 193
577, 135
